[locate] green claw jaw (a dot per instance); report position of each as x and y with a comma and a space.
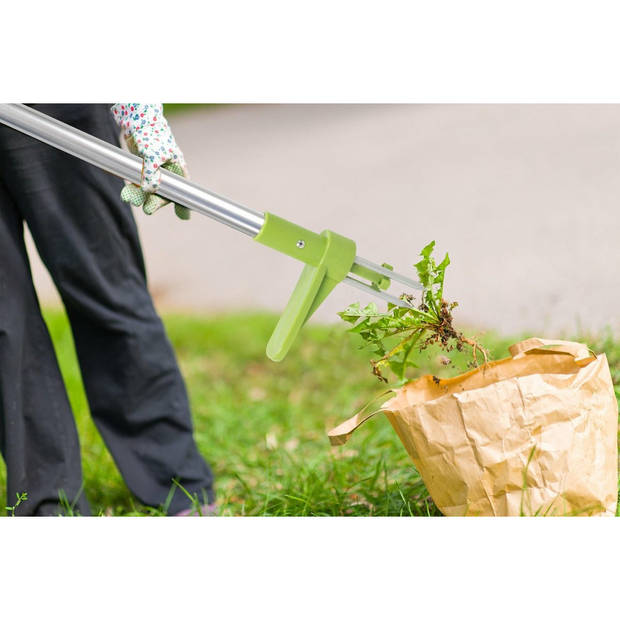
381, 283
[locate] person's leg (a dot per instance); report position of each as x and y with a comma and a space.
38, 438
89, 242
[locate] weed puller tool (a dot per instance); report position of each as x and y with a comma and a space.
329, 258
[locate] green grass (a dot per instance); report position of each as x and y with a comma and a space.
262, 425
179, 108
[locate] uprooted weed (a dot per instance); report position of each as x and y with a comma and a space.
399, 333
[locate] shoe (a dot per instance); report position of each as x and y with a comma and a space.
206, 510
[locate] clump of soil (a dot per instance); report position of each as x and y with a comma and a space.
448, 338
441, 332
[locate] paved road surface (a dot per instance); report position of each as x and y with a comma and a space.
525, 198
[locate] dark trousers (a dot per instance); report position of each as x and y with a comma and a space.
88, 241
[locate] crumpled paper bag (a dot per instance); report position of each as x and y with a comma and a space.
532, 434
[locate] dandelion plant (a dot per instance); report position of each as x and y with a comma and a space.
396, 335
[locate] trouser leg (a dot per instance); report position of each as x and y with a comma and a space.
88, 240
38, 437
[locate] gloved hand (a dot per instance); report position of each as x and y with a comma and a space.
148, 135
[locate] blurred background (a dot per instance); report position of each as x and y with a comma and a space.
523, 197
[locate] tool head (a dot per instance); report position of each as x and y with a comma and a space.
379, 278
330, 259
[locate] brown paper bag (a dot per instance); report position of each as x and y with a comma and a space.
532, 434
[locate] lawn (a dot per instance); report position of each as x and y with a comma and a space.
262, 425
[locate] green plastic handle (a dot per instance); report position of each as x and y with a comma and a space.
296, 312
329, 257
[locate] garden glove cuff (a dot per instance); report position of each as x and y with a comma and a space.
148, 135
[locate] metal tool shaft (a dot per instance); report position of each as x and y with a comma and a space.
174, 187
128, 166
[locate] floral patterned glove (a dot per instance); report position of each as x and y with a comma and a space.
148, 135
